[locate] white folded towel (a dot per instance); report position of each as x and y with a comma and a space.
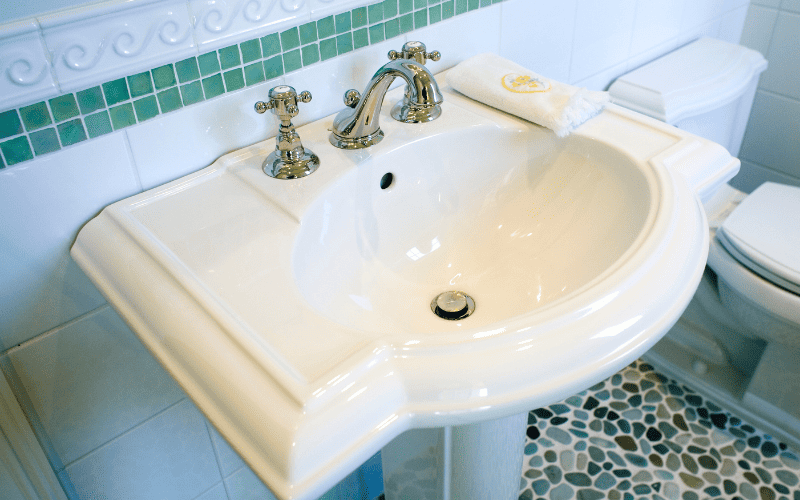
509, 87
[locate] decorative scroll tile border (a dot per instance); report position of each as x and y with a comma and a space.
64, 120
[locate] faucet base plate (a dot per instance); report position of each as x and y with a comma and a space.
356, 142
409, 113
277, 167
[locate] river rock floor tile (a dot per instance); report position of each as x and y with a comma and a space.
640, 435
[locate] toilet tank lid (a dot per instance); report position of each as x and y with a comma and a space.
765, 230
689, 81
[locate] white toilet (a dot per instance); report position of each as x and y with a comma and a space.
739, 340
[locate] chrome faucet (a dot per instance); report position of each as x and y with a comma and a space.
357, 126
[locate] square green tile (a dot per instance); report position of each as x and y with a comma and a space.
290, 39
212, 86
392, 28
90, 100
187, 70
435, 14
271, 45
116, 91
146, 108
273, 67
253, 73
192, 93
122, 116
343, 23
486, 3
35, 116
448, 9
326, 27
359, 17
44, 141
327, 48
418, 4
308, 33
97, 124
405, 6
64, 107
461, 6
209, 63
360, 38
170, 100
420, 18
17, 150
406, 23
375, 13
376, 34
140, 84
251, 50
389, 8
163, 77
71, 132
229, 57
234, 80
10, 124
310, 54
473, 4
292, 61
344, 43
2, 163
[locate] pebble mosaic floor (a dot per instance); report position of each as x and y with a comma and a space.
639, 435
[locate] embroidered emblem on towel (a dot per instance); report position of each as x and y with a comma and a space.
524, 84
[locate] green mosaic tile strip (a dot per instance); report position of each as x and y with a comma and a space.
59, 122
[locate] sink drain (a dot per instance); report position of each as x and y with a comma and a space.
453, 305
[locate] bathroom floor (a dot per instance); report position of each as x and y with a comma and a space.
641, 435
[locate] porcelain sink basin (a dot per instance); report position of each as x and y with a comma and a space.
297, 314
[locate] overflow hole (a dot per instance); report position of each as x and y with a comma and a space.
386, 180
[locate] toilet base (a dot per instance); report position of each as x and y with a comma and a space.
756, 397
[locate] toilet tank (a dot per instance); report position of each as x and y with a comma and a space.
706, 87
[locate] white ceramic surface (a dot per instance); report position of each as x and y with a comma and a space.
306, 393
24, 68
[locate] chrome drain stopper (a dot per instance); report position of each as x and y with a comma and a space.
453, 305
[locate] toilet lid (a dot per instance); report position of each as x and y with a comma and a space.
763, 234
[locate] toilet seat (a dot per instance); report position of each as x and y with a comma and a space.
754, 260
763, 234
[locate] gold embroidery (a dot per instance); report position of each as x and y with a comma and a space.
524, 84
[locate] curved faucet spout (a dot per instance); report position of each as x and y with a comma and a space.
358, 125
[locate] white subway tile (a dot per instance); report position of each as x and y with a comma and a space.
25, 74
323, 8
732, 25
224, 22
791, 5
215, 493
460, 37
245, 485
752, 175
758, 26
229, 460
105, 41
47, 201
538, 35
167, 457
175, 144
773, 134
602, 80
699, 12
603, 33
784, 57
710, 28
91, 381
767, 3
657, 21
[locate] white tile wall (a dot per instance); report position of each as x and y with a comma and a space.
24, 65
168, 457
114, 427
91, 381
771, 147
221, 23
45, 202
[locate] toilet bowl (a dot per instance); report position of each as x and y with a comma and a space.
739, 340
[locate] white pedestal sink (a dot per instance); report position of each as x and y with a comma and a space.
296, 314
